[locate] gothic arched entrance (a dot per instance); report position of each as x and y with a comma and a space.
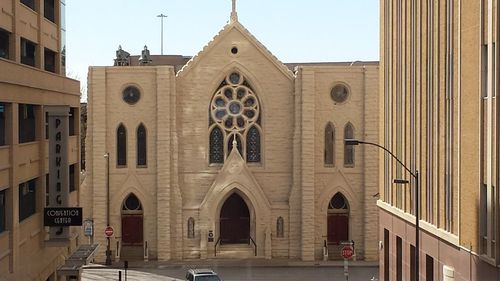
338, 220
132, 221
234, 221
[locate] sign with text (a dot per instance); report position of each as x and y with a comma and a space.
58, 131
62, 217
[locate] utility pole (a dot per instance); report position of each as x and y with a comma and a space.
161, 16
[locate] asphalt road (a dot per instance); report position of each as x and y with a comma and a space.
235, 273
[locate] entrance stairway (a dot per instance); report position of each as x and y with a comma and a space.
238, 251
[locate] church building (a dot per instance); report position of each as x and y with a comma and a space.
231, 153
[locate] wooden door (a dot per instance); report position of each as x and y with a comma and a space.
338, 228
132, 230
234, 221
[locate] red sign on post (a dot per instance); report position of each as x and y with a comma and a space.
108, 231
347, 252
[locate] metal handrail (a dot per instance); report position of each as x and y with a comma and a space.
254, 244
215, 247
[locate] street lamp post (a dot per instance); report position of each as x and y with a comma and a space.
416, 176
108, 243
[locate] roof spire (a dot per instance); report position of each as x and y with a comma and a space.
234, 15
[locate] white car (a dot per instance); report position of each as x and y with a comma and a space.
201, 275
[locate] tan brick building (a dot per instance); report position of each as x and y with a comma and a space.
232, 153
439, 78
32, 77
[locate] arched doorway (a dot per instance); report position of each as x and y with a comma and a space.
132, 221
234, 221
338, 220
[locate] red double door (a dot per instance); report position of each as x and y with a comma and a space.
132, 230
338, 228
234, 221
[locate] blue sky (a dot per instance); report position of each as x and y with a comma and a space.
293, 30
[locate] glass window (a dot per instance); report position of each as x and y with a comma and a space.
141, 146
27, 199
216, 145
72, 119
4, 44
49, 60
339, 93
26, 123
131, 95
253, 145
132, 203
3, 130
72, 185
29, 3
121, 146
2, 211
49, 10
28, 50
348, 149
329, 145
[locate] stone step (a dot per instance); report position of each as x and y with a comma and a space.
243, 251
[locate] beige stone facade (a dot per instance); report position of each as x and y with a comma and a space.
29, 83
439, 68
185, 183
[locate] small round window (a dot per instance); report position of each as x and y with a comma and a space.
339, 93
131, 95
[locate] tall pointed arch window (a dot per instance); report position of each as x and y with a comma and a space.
348, 149
235, 112
121, 146
141, 146
329, 151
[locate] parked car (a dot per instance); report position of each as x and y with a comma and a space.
202, 275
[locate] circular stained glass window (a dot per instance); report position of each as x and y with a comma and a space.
131, 95
339, 93
235, 106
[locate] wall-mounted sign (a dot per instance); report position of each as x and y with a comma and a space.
88, 227
62, 216
210, 236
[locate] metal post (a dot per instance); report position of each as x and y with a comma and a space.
108, 246
161, 16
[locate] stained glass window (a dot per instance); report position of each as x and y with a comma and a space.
141, 146
329, 145
121, 146
338, 202
253, 145
216, 145
348, 149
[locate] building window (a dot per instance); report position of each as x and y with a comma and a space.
26, 123
329, 145
27, 199
413, 258
2, 211
280, 228
72, 119
132, 203
4, 44
121, 146
49, 10
429, 268
49, 58
339, 93
399, 259
235, 111
72, 184
216, 145
348, 149
131, 95
3, 130
141, 146
190, 228
28, 50
29, 3
387, 260
253, 145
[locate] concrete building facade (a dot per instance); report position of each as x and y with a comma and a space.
32, 77
439, 79
232, 154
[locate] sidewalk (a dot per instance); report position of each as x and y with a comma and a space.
234, 263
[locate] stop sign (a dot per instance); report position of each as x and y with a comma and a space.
108, 231
347, 252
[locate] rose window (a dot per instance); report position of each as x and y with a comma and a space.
234, 106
